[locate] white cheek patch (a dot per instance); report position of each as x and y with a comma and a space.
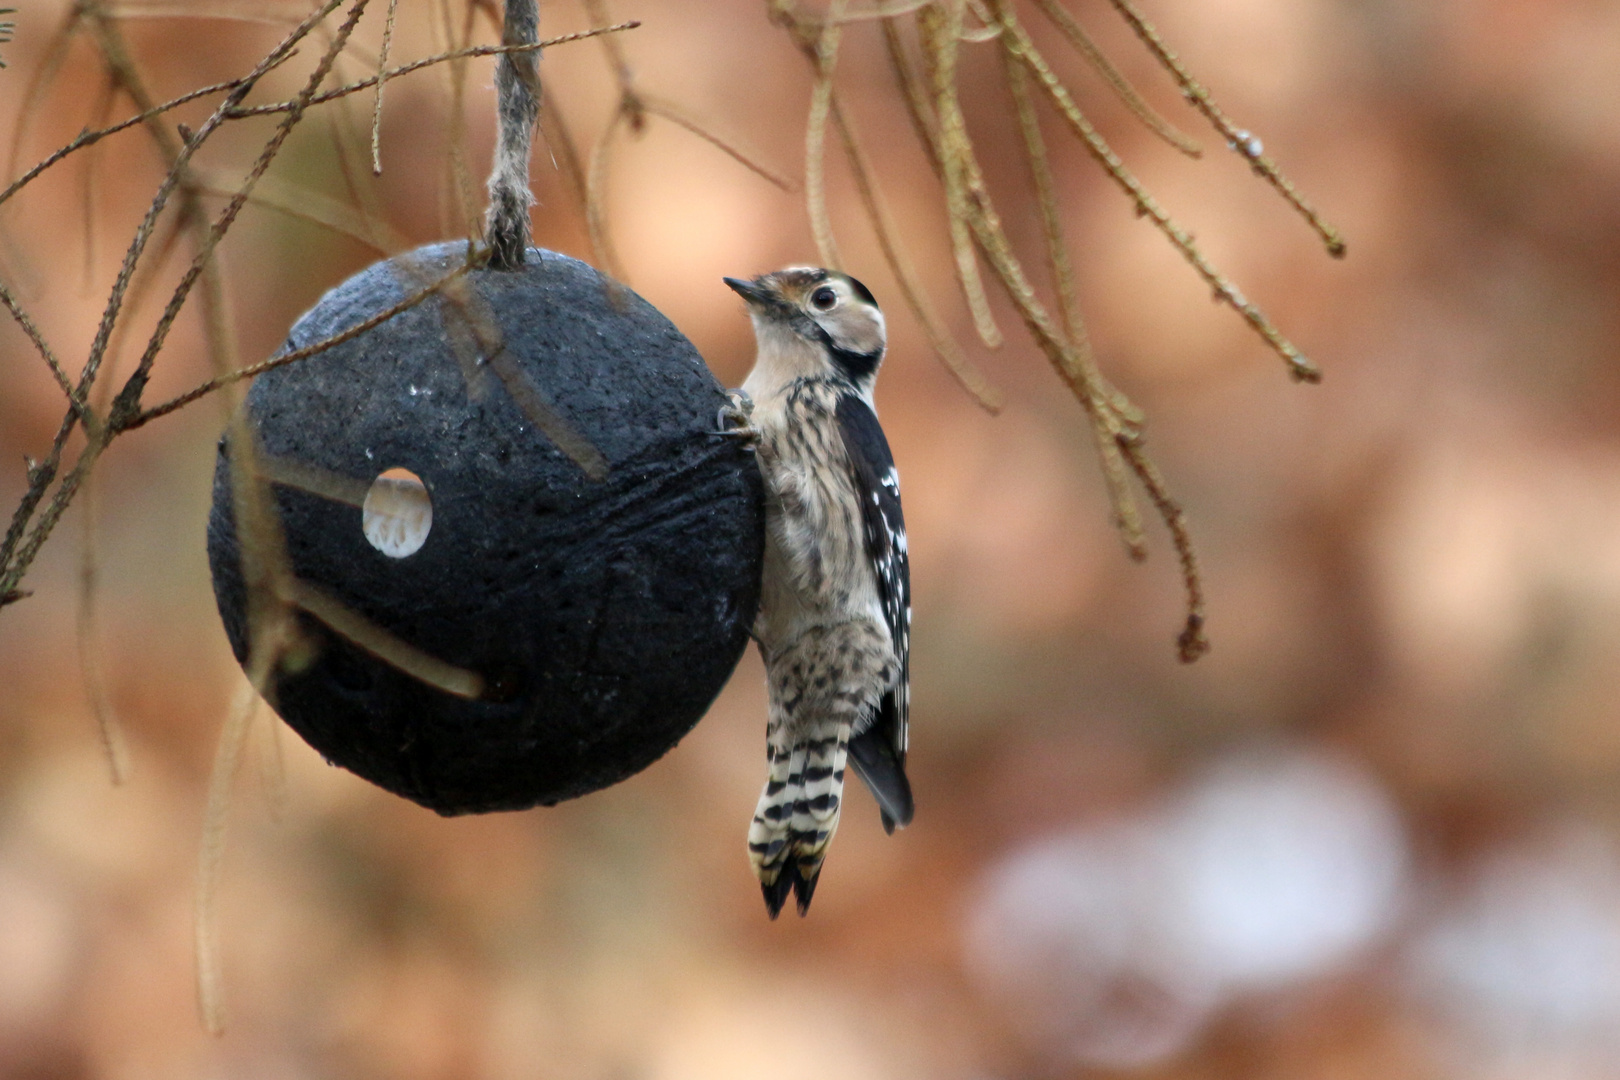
858, 329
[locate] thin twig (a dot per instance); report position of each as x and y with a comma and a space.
596, 213
458, 212
1225, 292
211, 853
1147, 114
1244, 143
393, 651
668, 110
815, 138
1191, 642
282, 359
944, 345
1117, 417
596, 11
87, 190
806, 36
90, 662
28, 108
81, 408
382, 80
1082, 373
350, 154
559, 139
128, 401
312, 206
941, 31
476, 337
90, 138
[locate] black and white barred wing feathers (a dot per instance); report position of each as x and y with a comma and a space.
878, 751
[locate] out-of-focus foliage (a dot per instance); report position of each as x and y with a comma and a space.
1373, 833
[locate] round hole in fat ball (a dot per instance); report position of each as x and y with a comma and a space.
602, 616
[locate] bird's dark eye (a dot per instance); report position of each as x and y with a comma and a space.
824, 298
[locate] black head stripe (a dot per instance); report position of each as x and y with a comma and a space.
861, 291
856, 366
852, 365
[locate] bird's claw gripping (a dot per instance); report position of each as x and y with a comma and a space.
735, 418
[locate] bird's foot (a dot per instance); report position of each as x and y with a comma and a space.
735, 418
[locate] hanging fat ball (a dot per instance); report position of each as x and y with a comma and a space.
571, 527
834, 621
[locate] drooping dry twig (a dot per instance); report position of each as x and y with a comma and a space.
631, 114
668, 110
815, 139
471, 52
976, 226
295, 355
107, 727
945, 346
1243, 142
1116, 80
211, 855
382, 80
1018, 42
941, 29
1101, 405
976, 223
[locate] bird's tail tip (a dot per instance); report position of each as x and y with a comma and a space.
792, 879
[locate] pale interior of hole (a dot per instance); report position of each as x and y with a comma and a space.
397, 514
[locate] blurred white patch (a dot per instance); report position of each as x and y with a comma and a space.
1284, 866
1112, 945
1067, 935
397, 514
1522, 965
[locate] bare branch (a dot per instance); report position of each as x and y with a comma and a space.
945, 347
1243, 142
596, 212
815, 138
382, 79
128, 402
90, 661
90, 138
469, 53
940, 34
1018, 42
676, 115
1082, 374
80, 407
282, 359
1116, 79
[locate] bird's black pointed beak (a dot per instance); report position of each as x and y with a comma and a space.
749, 291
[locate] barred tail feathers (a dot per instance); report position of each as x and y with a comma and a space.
822, 687
797, 817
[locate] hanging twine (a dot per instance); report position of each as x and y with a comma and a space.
517, 89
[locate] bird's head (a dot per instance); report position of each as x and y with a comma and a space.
807, 318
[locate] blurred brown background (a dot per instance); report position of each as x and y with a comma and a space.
1375, 833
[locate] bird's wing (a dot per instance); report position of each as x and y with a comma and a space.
879, 752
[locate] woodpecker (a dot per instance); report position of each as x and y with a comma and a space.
834, 621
